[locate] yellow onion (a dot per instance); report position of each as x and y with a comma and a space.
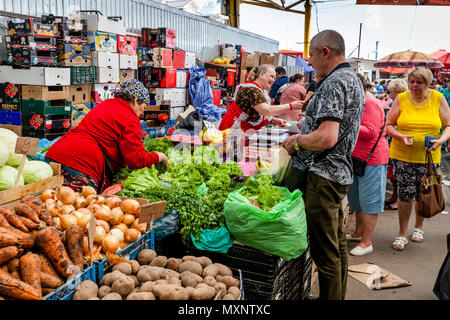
66, 209
47, 194
84, 210
99, 234
59, 203
53, 210
130, 206
123, 244
121, 226
110, 244
87, 191
80, 202
90, 199
94, 206
99, 200
65, 194
77, 214
113, 201
128, 219
103, 214
103, 224
118, 234
116, 216
142, 227
67, 220
132, 235
49, 202
57, 222
83, 220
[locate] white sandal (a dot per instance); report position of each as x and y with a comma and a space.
399, 243
418, 234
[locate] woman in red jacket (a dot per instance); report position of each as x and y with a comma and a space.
107, 139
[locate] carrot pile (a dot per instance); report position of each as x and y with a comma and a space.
33, 255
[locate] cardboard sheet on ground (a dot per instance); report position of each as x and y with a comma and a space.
375, 277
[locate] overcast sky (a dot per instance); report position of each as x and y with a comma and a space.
397, 28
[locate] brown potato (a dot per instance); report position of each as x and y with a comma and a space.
87, 289
109, 278
173, 263
191, 266
170, 292
123, 286
103, 291
134, 266
146, 287
189, 279
210, 281
221, 289
112, 296
123, 267
203, 292
204, 261
146, 256
188, 258
210, 270
159, 261
235, 292
223, 269
228, 296
141, 296
149, 274
228, 280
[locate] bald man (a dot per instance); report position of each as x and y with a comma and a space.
323, 146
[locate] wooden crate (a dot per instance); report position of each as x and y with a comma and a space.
35, 187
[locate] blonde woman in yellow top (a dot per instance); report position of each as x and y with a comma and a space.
416, 113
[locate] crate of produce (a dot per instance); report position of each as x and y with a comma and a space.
30, 42
42, 121
72, 31
49, 134
50, 107
45, 92
83, 74
74, 54
25, 58
66, 291
130, 252
32, 27
10, 117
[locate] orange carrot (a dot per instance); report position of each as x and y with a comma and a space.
14, 237
74, 245
13, 219
30, 271
17, 289
26, 211
3, 222
49, 281
4, 267
36, 204
48, 239
31, 225
13, 268
7, 253
46, 267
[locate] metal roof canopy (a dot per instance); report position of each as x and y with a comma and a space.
283, 5
405, 2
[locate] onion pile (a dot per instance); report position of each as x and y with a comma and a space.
117, 222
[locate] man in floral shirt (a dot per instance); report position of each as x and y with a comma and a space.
332, 121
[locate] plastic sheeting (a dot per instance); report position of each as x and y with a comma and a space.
201, 95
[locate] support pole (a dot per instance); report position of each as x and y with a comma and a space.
307, 28
359, 42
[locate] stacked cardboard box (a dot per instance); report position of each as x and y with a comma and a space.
251, 60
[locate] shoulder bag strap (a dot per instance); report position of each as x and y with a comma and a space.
376, 143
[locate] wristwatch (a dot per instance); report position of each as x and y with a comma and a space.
296, 146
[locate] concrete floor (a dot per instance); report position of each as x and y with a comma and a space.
418, 263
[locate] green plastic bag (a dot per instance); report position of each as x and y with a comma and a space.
214, 240
281, 231
201, 189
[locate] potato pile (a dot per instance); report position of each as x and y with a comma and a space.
117, 221
153, 277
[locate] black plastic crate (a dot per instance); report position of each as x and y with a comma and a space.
49, 134
83, 74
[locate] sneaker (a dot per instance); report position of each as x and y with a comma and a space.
358, 251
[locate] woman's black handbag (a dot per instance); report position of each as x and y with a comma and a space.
359, 165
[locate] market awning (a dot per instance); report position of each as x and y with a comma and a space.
392, 70
408, 59
302, 63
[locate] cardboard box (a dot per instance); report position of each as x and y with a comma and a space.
103, 23
161, 37
102, 41
16, 129
11, 117
163, 77
229, 52
79, 111
176, 96
263, 59
102, 92
176, 111
179, 58
242, 76
25, 58
142, 56
189, 60
42, 121
162, 57
40, 76
277, 59
184, 114
52, 107
108, 75
32, 27
30, 42
74, 54
157, 114
45, 92
105, 59
126, 74
10, 97
128, 61
181, 79
127, 45
80, 93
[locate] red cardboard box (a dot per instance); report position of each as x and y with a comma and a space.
163, 77
179, 59
127, 45
216, 96
162, 58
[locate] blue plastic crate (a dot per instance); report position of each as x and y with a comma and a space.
146, 241
66, 291
11, 117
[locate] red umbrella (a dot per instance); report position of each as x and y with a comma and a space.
408, 59
395, 70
